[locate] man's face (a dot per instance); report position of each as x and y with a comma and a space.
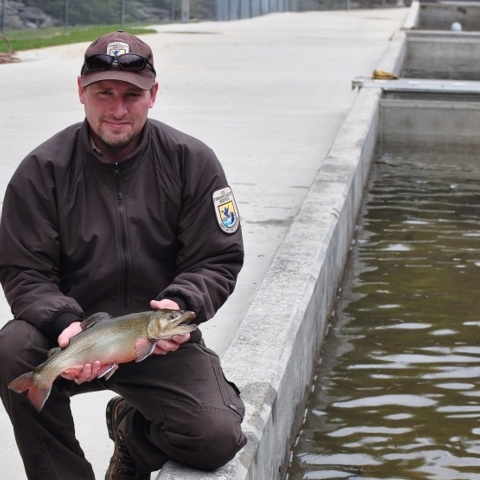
116, 112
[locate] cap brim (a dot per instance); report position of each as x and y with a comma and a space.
143, 81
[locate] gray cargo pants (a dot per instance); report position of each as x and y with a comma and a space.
185, 409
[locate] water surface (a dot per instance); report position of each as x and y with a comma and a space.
397, 390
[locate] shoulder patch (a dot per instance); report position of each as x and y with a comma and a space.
226, 210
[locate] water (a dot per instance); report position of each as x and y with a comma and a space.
397, 389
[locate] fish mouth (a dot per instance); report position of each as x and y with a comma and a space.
183, 319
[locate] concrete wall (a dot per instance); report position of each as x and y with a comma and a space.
424, 121
440, 15
296, 297
433, 47
434, 52
433, 119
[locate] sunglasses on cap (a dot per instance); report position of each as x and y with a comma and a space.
131, 62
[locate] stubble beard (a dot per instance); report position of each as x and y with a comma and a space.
115, 141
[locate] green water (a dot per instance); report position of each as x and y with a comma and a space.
397, 389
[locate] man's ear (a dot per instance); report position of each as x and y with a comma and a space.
153, 94
81, 90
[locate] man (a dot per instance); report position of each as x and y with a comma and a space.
120, 214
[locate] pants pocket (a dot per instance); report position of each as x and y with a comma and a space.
230, 392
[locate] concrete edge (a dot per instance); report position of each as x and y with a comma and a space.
412, 19
274, 353
446, 35
394, 57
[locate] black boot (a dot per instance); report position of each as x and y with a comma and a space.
122, 465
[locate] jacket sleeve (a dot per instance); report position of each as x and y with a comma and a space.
30, 250
209, 258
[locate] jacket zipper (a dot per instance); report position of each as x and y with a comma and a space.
123, 236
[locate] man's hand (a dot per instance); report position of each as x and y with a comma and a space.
85, 373
165, 346
72, 330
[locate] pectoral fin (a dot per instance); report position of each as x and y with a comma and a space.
143, 349
107, 371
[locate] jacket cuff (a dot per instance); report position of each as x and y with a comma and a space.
61, 321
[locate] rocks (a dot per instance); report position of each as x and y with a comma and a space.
19, 16
22, 17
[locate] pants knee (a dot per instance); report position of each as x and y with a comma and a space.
213, 441
22, 348
223, 438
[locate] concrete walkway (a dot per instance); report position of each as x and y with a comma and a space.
267, 94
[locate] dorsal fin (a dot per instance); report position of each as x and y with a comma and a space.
94, 319
53, 351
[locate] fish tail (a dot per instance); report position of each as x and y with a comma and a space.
37, 396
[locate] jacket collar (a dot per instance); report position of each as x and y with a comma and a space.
126, 164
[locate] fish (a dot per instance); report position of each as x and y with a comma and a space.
111, 340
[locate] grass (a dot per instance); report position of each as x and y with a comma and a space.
48, 37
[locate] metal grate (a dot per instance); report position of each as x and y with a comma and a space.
418, 85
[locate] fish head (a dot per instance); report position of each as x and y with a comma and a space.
166, 323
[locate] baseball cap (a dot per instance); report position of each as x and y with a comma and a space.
116, 44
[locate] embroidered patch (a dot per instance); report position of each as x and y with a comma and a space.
226, 210
117, 48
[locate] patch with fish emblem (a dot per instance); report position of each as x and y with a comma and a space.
226, 210
117, 48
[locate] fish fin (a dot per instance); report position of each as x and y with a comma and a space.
22, 383
94, 319
37, 396
107, 371
53, 351
71, 372
143, 349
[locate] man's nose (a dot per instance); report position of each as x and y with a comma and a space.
119, 107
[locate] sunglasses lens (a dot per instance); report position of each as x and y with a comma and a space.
99, 62
131, 62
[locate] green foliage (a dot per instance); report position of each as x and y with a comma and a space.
48, 37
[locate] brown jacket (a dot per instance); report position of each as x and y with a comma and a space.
79, 236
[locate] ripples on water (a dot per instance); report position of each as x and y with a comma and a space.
397, 390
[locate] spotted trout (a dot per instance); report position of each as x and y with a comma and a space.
111, 340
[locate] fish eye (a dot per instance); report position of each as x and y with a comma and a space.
173, 316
